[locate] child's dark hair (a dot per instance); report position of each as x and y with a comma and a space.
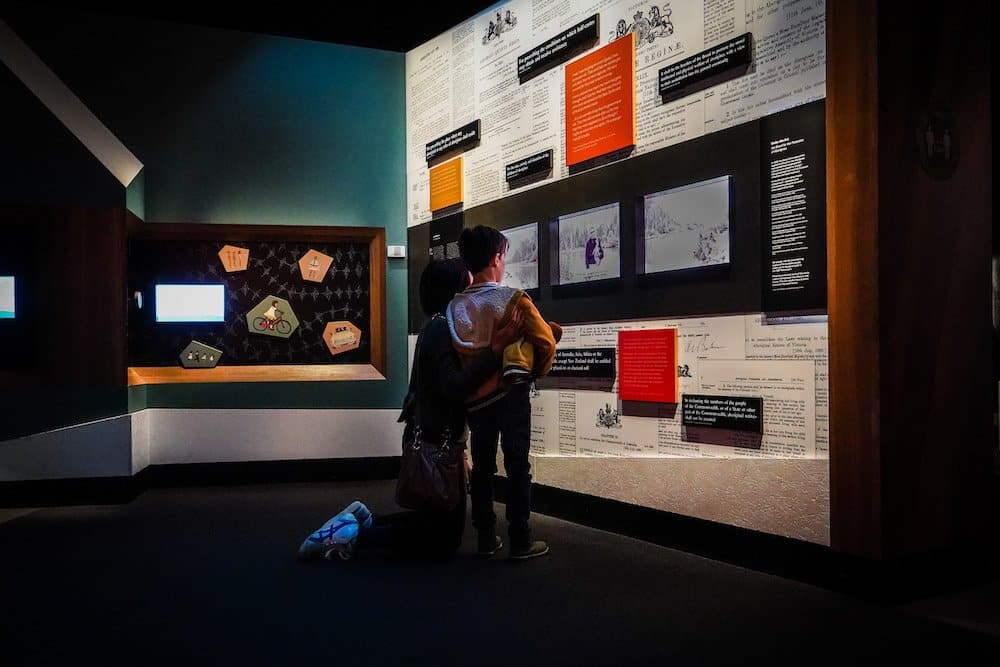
439, 282
478, 245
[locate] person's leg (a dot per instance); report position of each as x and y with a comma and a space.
408, 533
384, 529
430, 534
484, 430
515, 429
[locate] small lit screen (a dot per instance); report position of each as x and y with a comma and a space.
190, 303
7, 309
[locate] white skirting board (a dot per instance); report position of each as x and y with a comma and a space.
217, 436
124, 445
100, 448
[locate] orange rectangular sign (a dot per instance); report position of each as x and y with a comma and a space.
600, 101
446, 184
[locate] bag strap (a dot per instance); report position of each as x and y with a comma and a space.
415, 381
411, 404
409, 407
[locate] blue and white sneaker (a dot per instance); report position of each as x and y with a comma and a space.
336, 536
361, 513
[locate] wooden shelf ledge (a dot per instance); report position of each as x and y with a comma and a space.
272, 373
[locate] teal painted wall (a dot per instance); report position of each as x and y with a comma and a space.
135, 196
247, 129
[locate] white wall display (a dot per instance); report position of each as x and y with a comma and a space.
522, 257
190, 303
789, 394
686, 227
805, 342
7, 309
589, 245
738, 355
470, 72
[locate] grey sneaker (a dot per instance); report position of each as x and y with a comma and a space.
533, 550
489, 544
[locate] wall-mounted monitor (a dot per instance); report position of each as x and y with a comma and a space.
190, 303
7, 304
589, 245
685, 227
522, 257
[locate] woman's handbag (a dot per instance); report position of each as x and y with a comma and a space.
431, 476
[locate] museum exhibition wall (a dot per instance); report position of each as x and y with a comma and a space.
770, 260
660, 172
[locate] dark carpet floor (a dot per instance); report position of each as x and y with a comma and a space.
209, 575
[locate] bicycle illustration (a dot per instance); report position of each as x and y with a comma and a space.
278, 324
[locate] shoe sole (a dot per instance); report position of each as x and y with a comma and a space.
528, 556
490, 554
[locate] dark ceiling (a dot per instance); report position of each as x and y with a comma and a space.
388, 26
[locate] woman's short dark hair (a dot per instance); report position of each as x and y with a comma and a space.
440, 281
478, 245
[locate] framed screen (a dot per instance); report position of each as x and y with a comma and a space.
7, 309
685, 227
190, 303
522, 257
589, 245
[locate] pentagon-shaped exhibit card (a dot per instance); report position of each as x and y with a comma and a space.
341, 337
234, 259
199, 355
272, 317
314, 265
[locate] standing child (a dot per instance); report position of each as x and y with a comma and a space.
499, 413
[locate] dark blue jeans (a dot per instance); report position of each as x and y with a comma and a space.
508, 421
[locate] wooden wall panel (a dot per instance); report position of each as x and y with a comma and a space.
909, 276
852, 257
82, 262
64, 357
934, 280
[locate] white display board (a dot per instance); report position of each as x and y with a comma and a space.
190, 303
686, 227
470, 73
589, 245
7, 305
785, 365
521, 271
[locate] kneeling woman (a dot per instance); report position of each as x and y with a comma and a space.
435, 406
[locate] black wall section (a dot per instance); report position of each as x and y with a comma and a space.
43, 163
19, 237
63, 358
736, 289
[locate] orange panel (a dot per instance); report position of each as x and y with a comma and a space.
600, 101
446, 184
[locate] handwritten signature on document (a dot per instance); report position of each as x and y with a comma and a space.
700, 343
